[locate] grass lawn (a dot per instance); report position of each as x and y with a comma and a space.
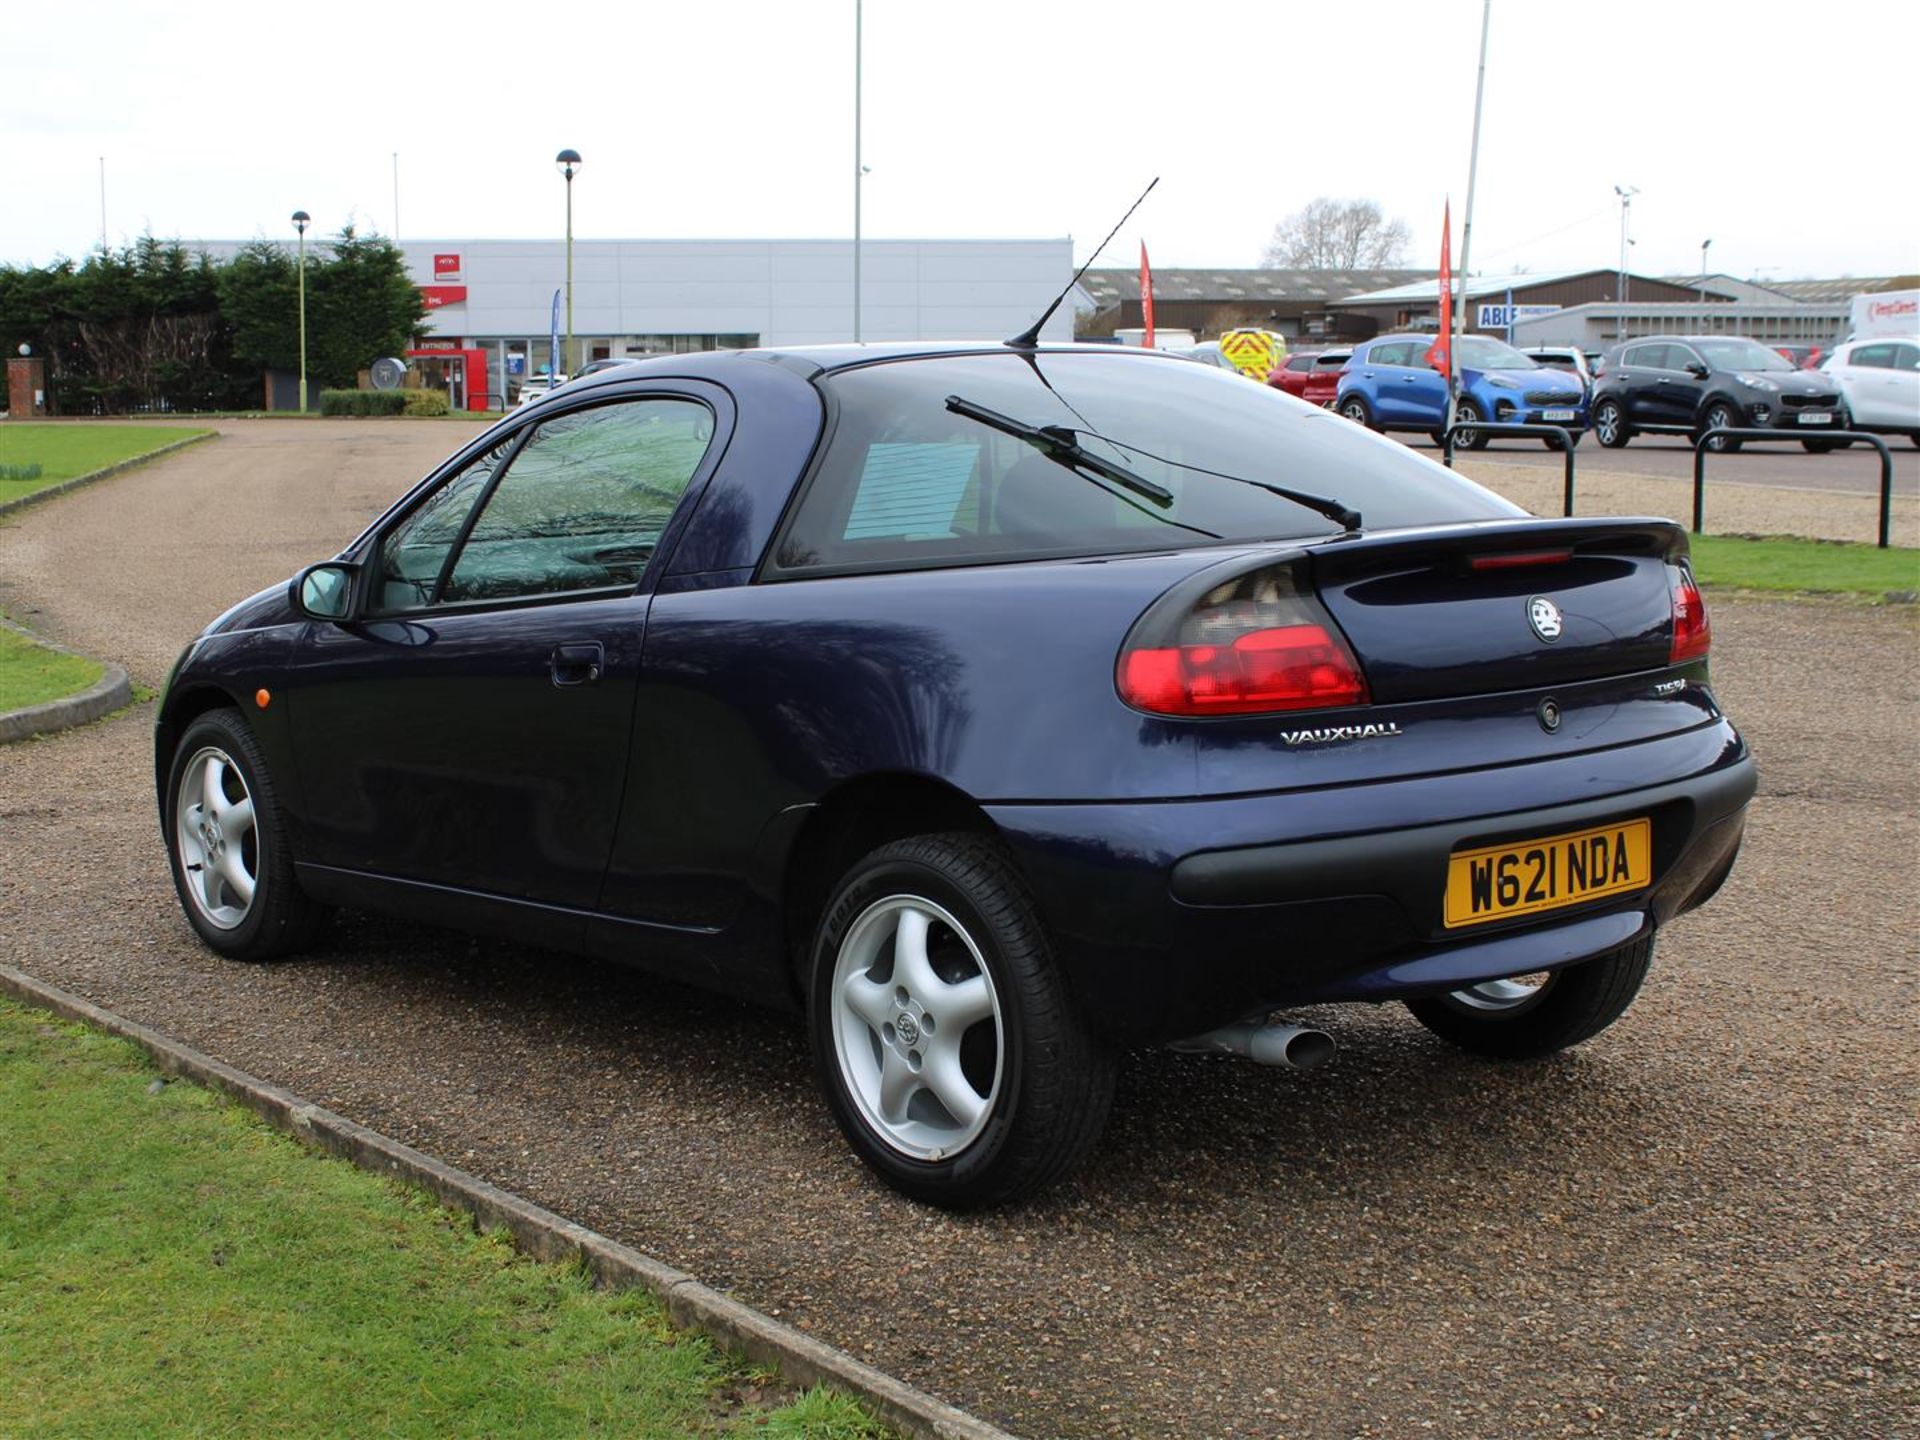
169, 1265
69, 449
1778, 562
30, 673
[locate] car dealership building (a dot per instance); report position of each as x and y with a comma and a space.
492, 307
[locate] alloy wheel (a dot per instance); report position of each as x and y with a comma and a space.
1504, 996
217, 838
917, 1027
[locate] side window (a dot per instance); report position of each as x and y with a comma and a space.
1906, 357
1648, 357
1878, 357
415, 551
584, 502
1299, 362
1398, 353
1679, 357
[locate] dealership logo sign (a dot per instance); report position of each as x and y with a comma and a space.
1499, 317
446, 267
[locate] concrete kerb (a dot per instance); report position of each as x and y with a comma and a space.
9, 506
107, 694
537, 1231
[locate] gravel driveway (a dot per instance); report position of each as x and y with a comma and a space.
1700, 1224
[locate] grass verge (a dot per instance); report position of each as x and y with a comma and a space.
31, 673
1780, 562
169, 1265
68, 449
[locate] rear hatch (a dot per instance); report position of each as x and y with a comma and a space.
1487, 609
1474, 646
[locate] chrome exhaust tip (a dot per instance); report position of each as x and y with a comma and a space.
1297, 1047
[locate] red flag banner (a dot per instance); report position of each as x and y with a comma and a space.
1441, 355
1146, 296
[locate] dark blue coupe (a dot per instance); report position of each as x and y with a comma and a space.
999, 706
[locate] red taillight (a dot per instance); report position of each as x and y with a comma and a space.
1692, 636
1251, 646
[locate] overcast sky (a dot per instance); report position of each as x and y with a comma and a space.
1781, 131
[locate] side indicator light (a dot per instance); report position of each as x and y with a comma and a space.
262, 697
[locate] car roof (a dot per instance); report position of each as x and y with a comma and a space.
811, 361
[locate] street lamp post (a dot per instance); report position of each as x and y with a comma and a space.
300, 222
1703, 270
568, 161
1626, 194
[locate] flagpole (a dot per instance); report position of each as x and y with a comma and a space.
1146, 298
1473, 171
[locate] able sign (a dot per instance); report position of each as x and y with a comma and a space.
1499, 317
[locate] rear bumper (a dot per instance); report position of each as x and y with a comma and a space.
1174, 918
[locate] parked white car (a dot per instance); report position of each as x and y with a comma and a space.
1881, 380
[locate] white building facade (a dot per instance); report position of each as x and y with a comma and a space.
637, 297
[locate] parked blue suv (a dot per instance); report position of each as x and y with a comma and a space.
1390, 385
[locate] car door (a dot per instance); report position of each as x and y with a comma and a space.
470, 728
1635, 378
1872, 379
1678, 391
1386, 374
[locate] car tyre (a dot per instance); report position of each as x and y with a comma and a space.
1610, 425
1720, 415
1467, 412
1004, 1093
1517, 1020
227, 846
1357, 410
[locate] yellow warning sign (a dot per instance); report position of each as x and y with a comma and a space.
1253, 353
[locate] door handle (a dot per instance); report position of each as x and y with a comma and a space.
578, 664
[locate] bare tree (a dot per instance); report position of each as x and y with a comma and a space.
1330, 234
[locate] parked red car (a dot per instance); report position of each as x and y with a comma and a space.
1291, 373
1312, 378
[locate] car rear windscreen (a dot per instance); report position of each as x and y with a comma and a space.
904, 480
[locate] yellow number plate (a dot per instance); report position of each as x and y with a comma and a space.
1501, 881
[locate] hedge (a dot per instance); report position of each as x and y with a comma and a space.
362, 402
427, 402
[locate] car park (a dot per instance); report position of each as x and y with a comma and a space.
1881, 381
537, 389
1316, 381
1691, 384
1290, 375
997, 707
1391, 384
1207, 352
1570, 358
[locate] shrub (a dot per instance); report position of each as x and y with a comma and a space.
361, 402
20, 472
427, 402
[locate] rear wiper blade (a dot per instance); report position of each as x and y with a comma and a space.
1344, 516
1057, 443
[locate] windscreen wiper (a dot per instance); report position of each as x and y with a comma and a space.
1344, 516
1057, 443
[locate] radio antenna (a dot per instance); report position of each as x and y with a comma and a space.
1028, 337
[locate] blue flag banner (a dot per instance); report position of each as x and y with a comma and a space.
553, 341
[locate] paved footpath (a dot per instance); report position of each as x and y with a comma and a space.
1701, 1224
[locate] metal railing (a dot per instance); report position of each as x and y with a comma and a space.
1494, 430
1701, 451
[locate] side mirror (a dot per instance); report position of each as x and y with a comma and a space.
1698, 371
325, 592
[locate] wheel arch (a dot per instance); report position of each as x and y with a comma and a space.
855, 817
182, 706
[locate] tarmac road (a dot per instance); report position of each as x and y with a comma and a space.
1700, 1224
